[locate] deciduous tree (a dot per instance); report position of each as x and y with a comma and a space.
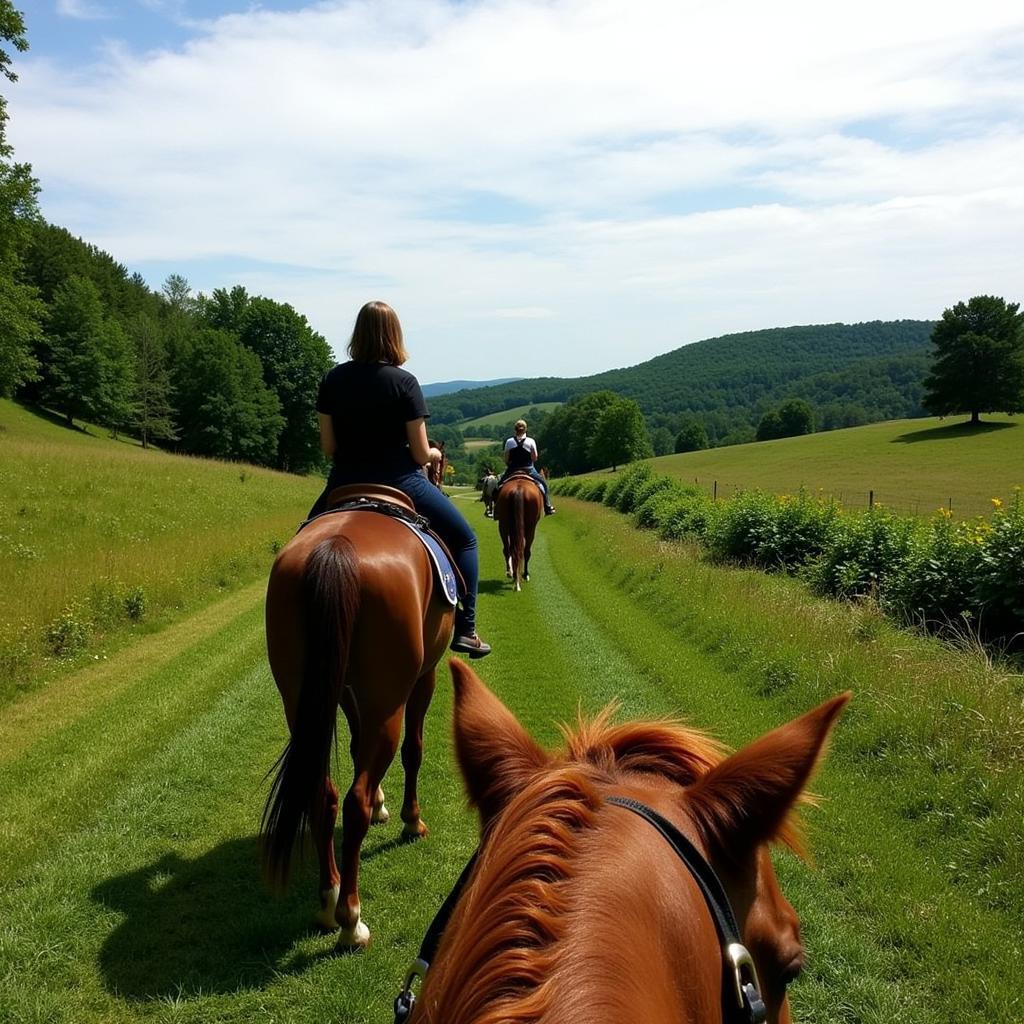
621, 435
692, 437
978, 359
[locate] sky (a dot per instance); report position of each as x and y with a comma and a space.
539, 187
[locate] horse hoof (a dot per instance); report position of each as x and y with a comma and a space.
325, 919
351, 940
380, 816
527, 577
414, 830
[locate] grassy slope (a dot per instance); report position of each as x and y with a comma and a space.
507, 415
84, 519
914, 466
128, 887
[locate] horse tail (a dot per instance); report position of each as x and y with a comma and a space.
330, 596
518, 532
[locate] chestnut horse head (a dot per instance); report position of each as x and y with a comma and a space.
578, 909
353, 619
518, 508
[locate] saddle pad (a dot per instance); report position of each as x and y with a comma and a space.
442, 566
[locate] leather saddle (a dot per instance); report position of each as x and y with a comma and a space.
396, 505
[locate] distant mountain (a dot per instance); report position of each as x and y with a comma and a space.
446, 387
850, 373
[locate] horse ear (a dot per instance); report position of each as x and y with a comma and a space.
745, 799
496, 754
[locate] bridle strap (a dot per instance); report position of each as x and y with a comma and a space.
710, 884
406, 999
742, 997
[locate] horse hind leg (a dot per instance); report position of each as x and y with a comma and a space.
322, 823
412, 753
376, 751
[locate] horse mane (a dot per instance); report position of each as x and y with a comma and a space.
505, 935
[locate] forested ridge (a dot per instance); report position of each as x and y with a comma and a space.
850, 374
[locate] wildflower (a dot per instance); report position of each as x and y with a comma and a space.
996, 503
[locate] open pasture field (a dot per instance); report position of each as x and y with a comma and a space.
474, 444
131, 792
507, 415
98, 535
913, 466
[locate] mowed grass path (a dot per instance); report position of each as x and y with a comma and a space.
913, 466
130, 796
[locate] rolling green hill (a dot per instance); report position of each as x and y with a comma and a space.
913, 466
98, 536
850, 373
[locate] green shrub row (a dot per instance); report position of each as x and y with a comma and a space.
940, 573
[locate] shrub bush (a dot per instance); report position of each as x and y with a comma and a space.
865, 554
66, 635
928, 573
621, 493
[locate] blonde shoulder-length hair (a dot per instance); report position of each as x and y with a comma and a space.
377, 336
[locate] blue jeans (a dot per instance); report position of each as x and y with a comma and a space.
532, 470
444, 517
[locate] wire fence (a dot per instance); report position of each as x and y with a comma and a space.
962, 507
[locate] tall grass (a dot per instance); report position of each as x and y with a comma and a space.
99, 536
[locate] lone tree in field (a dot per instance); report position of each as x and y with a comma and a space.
978, 360
620, 435
793, 418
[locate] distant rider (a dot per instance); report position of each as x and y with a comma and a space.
520, 455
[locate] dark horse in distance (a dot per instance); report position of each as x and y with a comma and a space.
353, 620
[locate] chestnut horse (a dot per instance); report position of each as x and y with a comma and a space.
518, 508
352, 620
577, 909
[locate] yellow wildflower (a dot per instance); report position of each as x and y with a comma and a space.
996, 503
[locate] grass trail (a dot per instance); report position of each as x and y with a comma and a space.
131, 794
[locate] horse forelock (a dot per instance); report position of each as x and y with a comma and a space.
657, 747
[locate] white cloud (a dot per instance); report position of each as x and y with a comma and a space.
83, 10
663, 171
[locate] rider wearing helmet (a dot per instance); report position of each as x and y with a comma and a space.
521, 454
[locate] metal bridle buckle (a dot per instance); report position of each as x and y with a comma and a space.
747, 988
406, 999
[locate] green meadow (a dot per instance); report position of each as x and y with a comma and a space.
131, 791
99, 538
507, 415
913, 466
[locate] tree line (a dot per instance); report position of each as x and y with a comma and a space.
228, 375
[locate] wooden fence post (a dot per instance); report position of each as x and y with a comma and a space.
714, 493
871, 499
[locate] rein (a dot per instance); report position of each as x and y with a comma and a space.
742, 1002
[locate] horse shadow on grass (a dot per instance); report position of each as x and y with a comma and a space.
951, 430
208, 925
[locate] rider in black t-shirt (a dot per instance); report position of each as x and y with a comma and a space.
372, 425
